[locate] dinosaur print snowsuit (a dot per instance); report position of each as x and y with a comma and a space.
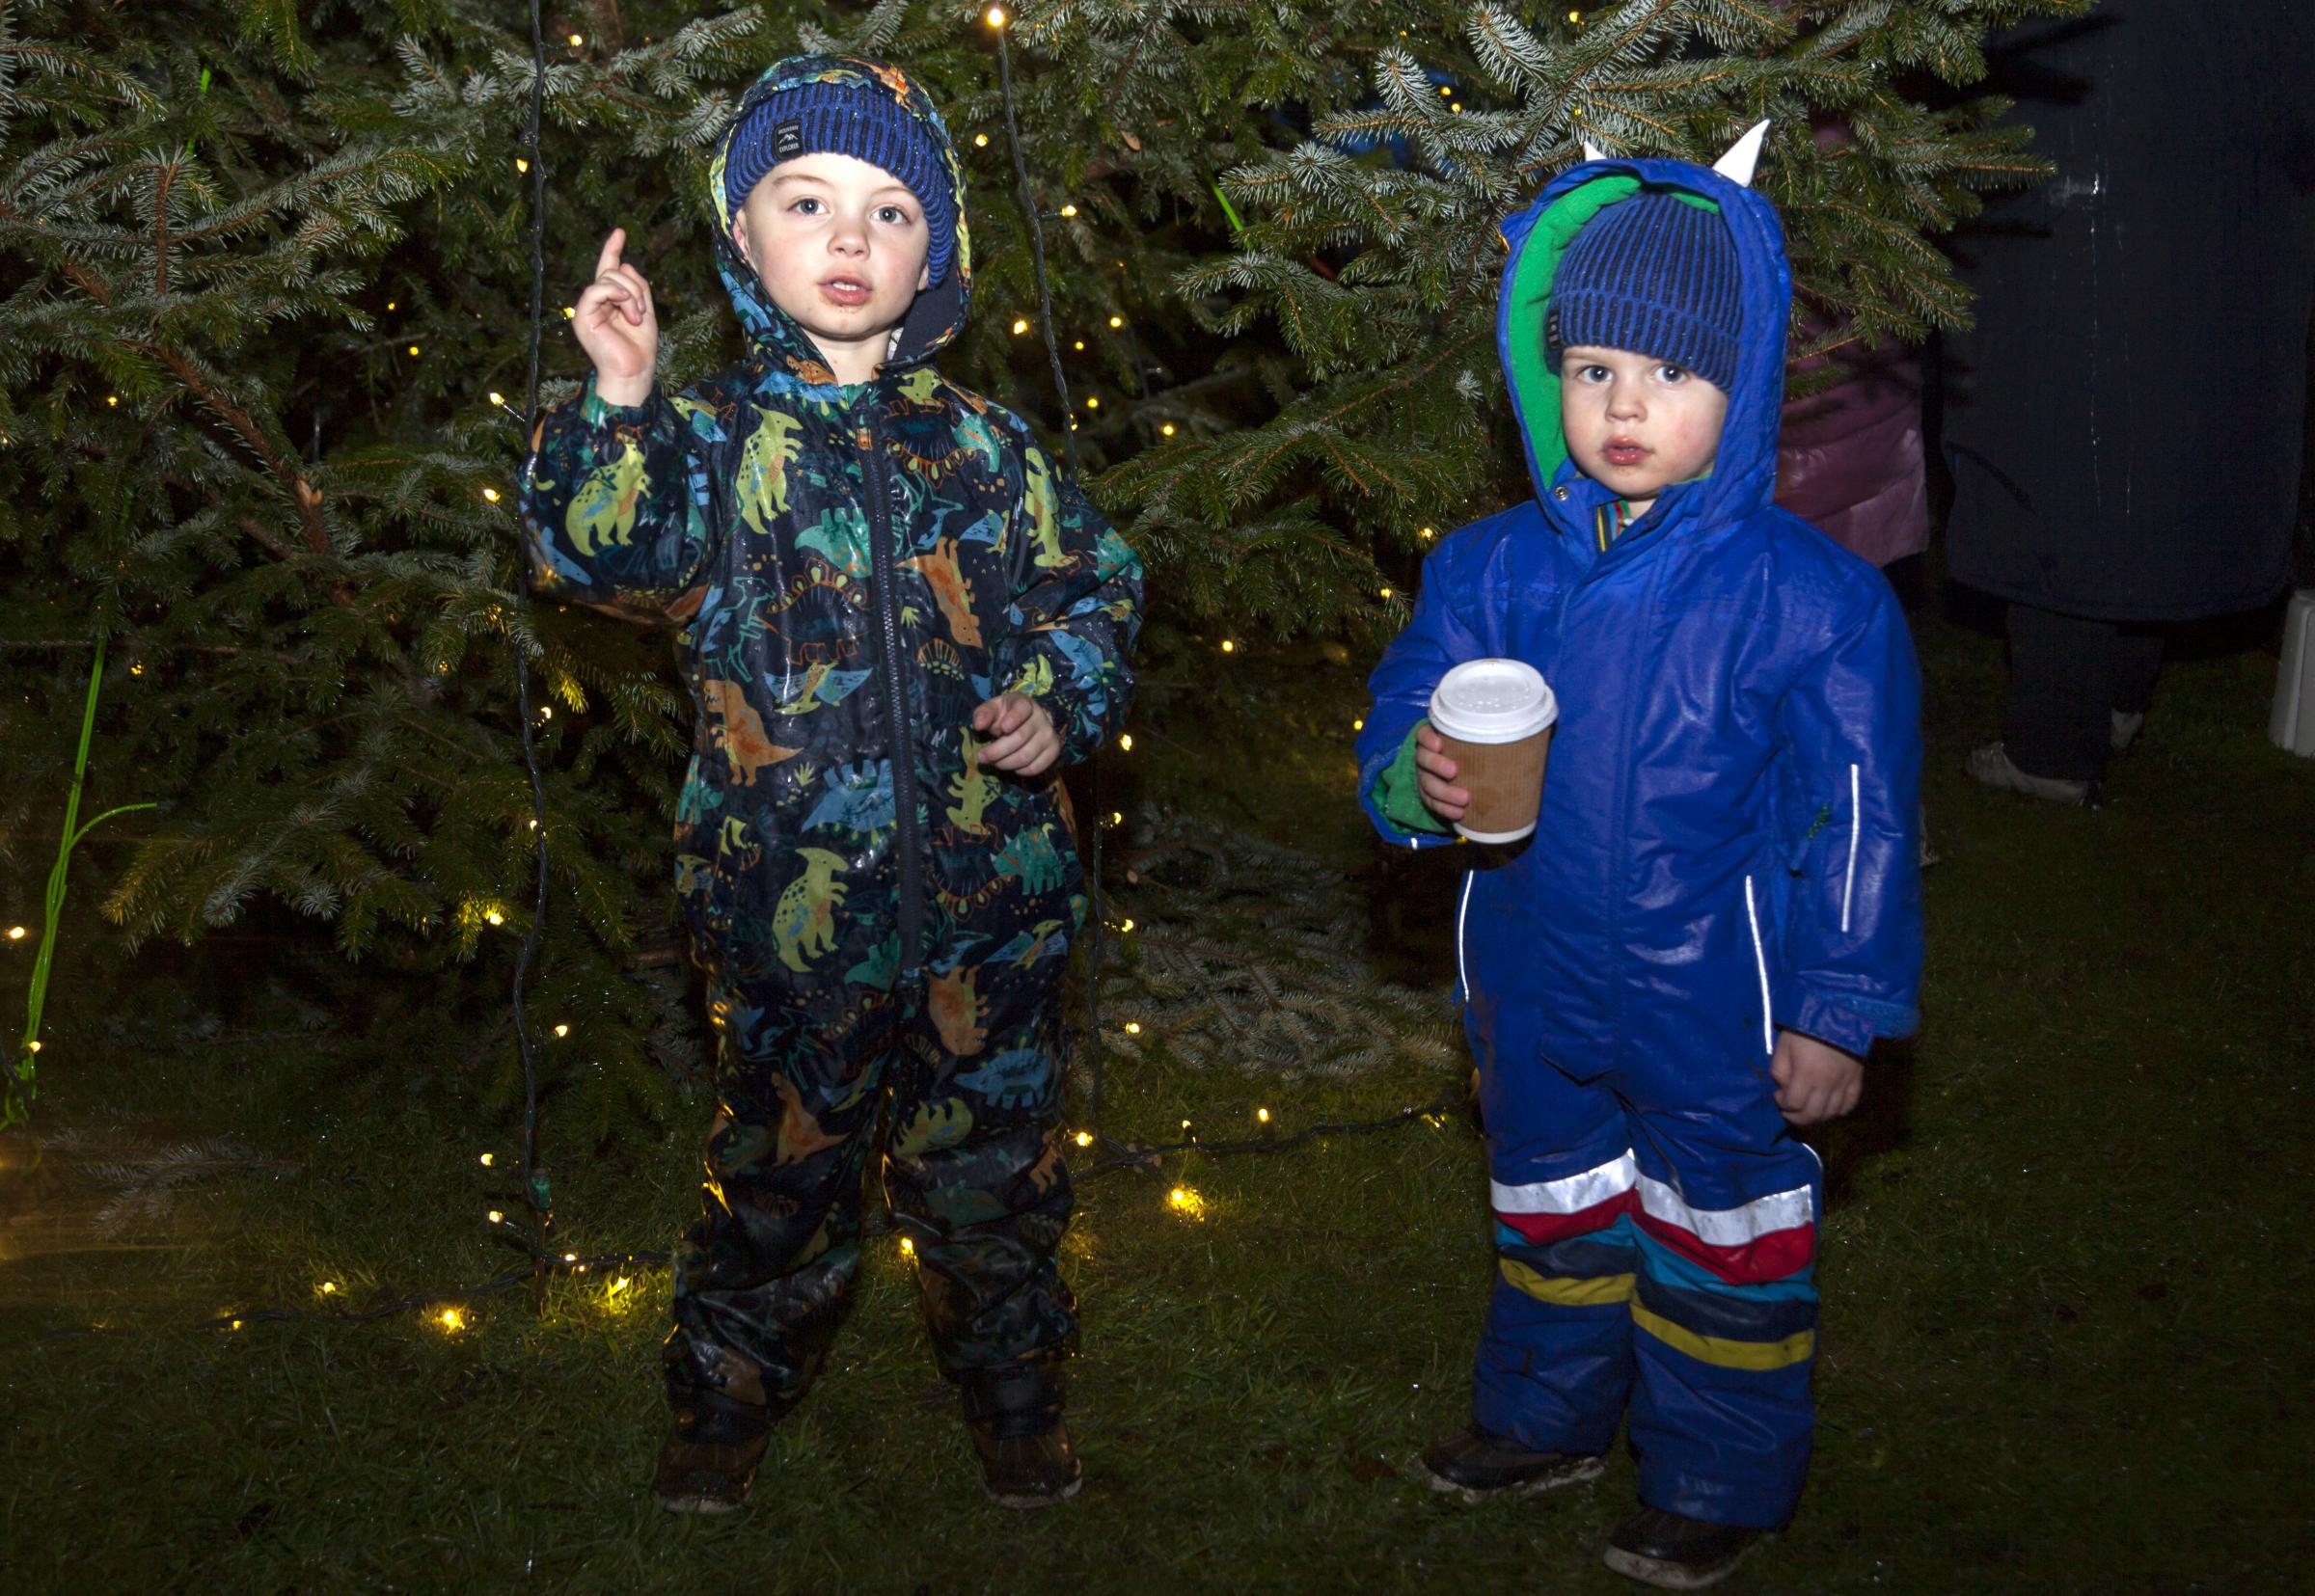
883, 924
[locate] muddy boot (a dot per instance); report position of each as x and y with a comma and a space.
1013, 1416
1675, 1553
709, 1461
1475, 1464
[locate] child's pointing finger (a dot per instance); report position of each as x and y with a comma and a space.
608, 260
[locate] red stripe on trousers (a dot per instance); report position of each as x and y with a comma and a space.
1755, 1262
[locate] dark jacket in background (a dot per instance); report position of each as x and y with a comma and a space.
2125, 422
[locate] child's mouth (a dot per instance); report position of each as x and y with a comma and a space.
845, 292
1622, 452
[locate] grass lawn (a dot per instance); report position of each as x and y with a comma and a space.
2061, 1297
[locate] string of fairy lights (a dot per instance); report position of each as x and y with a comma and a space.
450, 1310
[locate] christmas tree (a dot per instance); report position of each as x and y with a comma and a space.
265, 357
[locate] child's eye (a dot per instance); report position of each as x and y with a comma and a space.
1592, 374
897, 215
1667, 372
808, 206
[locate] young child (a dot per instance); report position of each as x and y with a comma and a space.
1719, 909
897, 621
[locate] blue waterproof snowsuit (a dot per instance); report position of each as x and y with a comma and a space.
1727, 847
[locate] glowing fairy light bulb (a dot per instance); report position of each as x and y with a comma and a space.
1020, 325
328, 1287
1093, 401
452, 1320
497, 1217
980, 141
1229, 646
491, 495
15, 934
1360, 724
1079, 346
113, 400
1133, 1027
1117, 816
578, 40
907, 1247
620, 1285
1084, 1138
496, 397
520, 165
570, 1258
568, 313
1126, 742
489, 1159
1168, 429
563, 1030
1186, 1202
995, 17
1069, 211
495, 918
1263, 1115
1386, 592
1124, 926
1116, 322
1427, 533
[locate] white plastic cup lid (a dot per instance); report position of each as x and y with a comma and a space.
1493, 701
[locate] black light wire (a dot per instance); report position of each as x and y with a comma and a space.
544, 1262
1096, 1052
535, 1194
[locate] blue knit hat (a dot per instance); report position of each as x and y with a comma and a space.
862, 120
1656, 275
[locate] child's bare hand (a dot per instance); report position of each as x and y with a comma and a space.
618, 327
1434, 772
1021, 739
1815, 1080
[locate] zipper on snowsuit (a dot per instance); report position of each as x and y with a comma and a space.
884, 519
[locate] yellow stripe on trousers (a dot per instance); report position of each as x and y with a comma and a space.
1567, 1290
1796, 1348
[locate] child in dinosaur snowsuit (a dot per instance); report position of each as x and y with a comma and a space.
896, 620
1719, 909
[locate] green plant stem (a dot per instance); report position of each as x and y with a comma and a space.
15, 1104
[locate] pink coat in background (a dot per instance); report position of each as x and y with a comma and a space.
1849, 459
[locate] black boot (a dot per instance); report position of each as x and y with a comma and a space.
709, 1461
1474, 1463
1674, 1553
1013, 1416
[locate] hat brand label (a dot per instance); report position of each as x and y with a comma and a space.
788, 140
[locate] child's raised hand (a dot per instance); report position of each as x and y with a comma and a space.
1433, 773
1021, 739
1815, 1080
618, 327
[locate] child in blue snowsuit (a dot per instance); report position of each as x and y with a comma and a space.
1719, 909
897, 621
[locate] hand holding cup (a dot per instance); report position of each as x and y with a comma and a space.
1434, 778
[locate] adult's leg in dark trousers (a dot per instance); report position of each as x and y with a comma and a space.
973, 1169
762, 1277
2061, 684
2137, 659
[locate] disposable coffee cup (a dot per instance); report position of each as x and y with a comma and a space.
1494, 719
